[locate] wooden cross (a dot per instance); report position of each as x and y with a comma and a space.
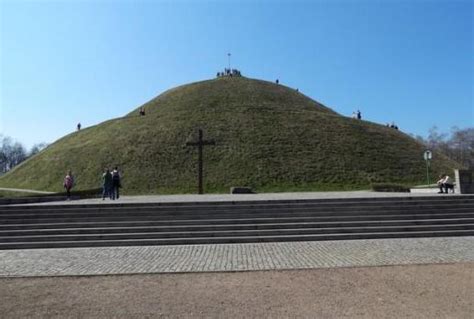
200, 143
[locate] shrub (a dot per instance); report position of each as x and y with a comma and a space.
389, 187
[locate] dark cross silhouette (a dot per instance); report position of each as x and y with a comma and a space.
200, 143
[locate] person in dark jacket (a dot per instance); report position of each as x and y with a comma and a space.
106, 184
116, 183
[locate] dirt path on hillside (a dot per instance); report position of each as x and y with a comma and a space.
417, 291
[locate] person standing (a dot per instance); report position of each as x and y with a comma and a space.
106, 184
68, 184
116, 183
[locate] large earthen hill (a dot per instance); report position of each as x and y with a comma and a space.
268, 136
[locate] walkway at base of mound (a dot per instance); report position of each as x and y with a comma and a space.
190, 198
234, 257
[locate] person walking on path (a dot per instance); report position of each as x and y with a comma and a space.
106, 184
116, 183
68, 184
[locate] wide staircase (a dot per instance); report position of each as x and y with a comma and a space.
54, 226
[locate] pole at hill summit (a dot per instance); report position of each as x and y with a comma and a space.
228, 55
200, 143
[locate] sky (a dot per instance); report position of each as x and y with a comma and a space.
64, 62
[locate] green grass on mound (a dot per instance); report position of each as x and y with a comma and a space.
268, 137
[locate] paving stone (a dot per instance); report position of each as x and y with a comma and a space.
234, 257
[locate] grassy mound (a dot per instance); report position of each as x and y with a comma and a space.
268, 137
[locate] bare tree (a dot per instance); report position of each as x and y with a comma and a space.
18, 154
459, 145
13, 153
5, 151
3, 162
462, 144
35, 149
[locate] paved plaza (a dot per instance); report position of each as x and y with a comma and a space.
428, 277
234, 257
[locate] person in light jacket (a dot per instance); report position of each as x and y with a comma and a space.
445, 182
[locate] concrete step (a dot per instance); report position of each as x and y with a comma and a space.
227, 222
221, 240
231, 227
257, 221
197, 218
322, 201
231, 214
88, 213
364, 205
227, 227
259, 203
235, 233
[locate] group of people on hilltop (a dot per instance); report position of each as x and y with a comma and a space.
229, 72
392, 125
111, 183
357, 115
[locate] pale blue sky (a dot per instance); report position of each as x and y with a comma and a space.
65, 62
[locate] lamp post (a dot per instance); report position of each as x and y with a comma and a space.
428, 156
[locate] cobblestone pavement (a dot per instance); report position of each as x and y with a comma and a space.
234, 257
